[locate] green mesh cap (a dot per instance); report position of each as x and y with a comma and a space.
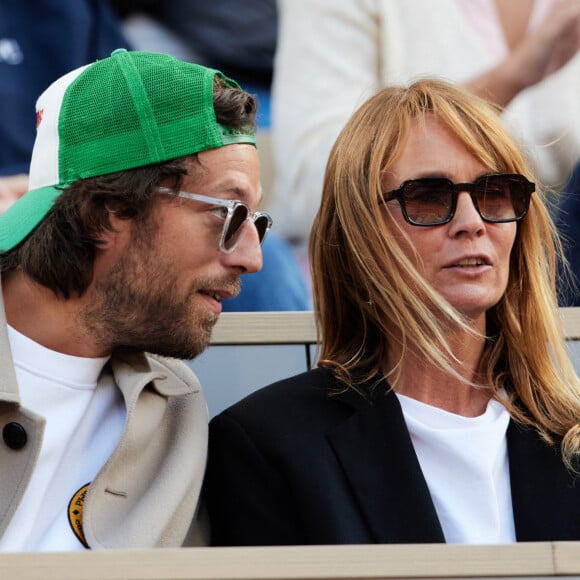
129, 110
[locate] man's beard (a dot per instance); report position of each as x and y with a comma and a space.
138, 307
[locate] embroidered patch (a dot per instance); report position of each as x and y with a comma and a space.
75, 514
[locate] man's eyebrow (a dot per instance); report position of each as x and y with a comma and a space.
239, 194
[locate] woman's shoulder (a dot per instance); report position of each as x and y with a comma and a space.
307, 388
315, 397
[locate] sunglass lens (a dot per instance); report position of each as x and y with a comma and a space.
237, 219
520, 195
428, 201
262, 223
501, 197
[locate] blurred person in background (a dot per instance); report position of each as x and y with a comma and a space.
568, 220
332, 54
59, 36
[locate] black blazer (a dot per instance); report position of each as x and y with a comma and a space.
292, 464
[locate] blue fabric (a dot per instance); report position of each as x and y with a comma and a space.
279, 285
264, 97
238, 38
40, 42
568, 221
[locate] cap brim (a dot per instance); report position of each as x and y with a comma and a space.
20, 219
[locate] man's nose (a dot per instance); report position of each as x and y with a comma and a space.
247, 253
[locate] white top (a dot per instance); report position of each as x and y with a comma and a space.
465, 463
83, 426
334, 54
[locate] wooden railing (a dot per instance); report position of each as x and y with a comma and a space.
525, 560
299, 327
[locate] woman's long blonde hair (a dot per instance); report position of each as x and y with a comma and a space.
368, 296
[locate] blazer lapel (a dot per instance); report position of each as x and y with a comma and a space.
545, 496
377, 455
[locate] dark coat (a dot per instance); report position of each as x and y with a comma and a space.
291, 464
568, 221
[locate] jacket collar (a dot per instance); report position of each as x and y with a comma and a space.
133, 371
8, 384
378, 459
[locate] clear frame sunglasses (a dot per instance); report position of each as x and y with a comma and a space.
238, 213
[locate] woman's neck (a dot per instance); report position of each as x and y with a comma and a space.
419, 379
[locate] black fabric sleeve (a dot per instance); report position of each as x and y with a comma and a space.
248, 498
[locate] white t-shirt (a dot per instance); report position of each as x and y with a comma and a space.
83, 426
465, 463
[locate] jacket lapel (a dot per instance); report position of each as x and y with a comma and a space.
378, 459
545, 496
8, 384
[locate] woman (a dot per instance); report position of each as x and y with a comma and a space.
445, 407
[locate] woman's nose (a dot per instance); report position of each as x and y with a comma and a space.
467, 218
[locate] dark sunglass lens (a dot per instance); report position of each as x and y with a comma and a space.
428, 201
501, 197
262, 224
237, 219
520, 195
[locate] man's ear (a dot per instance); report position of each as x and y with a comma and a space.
118, 232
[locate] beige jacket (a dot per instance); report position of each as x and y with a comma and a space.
146, 495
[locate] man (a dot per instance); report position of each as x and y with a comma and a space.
143, 181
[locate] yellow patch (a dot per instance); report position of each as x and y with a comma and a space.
75, 514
